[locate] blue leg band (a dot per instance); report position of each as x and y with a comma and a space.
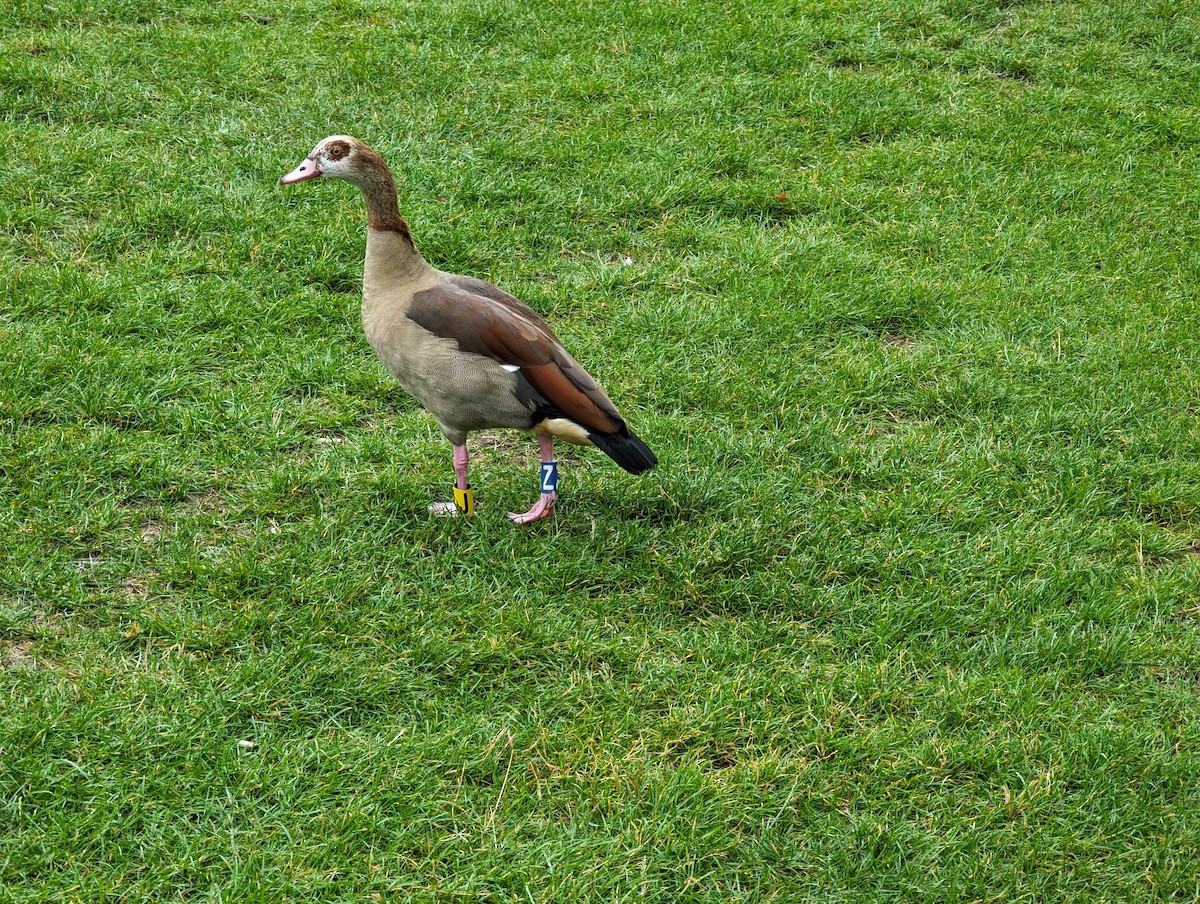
549, 476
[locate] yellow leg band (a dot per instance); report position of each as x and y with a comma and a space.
465, 500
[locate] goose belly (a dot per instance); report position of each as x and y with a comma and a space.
463, 391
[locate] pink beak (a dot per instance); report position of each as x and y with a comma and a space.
307, 169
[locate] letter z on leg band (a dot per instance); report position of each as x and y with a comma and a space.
549, 476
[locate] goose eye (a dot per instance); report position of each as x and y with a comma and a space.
337, 152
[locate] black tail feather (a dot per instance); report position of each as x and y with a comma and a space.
626, 450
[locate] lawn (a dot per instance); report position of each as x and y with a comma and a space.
903, 295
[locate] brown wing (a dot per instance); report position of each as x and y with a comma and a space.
586, 405
494, 323
485, 320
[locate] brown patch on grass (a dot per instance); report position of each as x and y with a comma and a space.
151, 530
246, 529
897, 341
17, 654
136, 588
210, 502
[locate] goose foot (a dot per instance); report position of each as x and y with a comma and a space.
543, 508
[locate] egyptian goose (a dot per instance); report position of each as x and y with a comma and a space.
474, 356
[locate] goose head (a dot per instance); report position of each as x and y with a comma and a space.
339, 157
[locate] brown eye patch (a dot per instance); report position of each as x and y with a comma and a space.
337, 150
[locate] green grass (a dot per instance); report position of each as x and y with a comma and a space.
904, 296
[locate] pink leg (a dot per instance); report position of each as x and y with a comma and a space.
460, 482
460, 466
544, 507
